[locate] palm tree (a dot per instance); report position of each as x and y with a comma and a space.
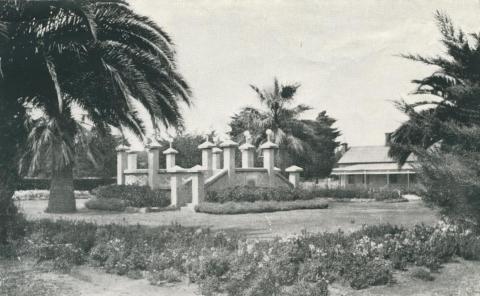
282, 119
451, 92
94, 55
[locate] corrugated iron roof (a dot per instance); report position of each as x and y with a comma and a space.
374, 168
368, 154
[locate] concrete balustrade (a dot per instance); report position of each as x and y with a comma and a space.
170, 157
217, 158
294, 175
188, 186
122, 164
153, 158
206, 149
229, 147
268, 150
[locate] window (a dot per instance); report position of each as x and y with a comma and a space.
351, 179
393, 179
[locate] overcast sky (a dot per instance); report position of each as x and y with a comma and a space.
342, 52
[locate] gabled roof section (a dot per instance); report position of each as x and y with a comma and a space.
368, 154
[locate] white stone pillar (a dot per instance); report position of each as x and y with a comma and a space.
175, 195
248, 151
132, 160
229, 148
198, 187
217, 158
170, 157
153, 151
121, 163
268, 151
294, 175
206, 148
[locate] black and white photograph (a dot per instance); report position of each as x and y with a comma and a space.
239, 147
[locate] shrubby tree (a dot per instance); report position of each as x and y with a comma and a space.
319, 158
449, 94
450, 173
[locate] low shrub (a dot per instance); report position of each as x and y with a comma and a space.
251, 194
422, 274
134, 195
229, 208
226, 264
106, 204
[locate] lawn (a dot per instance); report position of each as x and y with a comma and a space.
348, 216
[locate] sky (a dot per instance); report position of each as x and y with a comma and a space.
345, 55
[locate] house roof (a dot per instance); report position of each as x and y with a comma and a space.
368, 154
374, 168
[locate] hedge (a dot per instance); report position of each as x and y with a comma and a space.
251, 194
134, 195
78, 184
230, 208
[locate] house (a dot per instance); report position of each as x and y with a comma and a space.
370, 166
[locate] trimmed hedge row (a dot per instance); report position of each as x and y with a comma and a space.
251, 194
231, 208
134, 195
78, 184
104, 204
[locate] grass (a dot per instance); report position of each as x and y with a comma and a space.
230, 208
346, 216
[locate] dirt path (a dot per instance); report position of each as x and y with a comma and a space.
459, 278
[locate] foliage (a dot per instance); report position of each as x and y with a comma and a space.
100, 160
231, 207
134, 195
78, 184
224, 263
295, 137
187, 147
12, 139
450, 93
450, 174
251, 194
319, 159
106, 204
120, 59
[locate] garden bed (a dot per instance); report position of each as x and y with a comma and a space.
217, 262
38, 194
230, 208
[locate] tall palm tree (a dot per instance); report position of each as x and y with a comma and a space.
452, 92
97, 55
279, 116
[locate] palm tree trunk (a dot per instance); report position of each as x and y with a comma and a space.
62, 198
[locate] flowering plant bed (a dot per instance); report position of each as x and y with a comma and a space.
37, 194
219, 262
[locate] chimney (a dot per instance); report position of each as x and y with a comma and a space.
388, 137
344, 147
